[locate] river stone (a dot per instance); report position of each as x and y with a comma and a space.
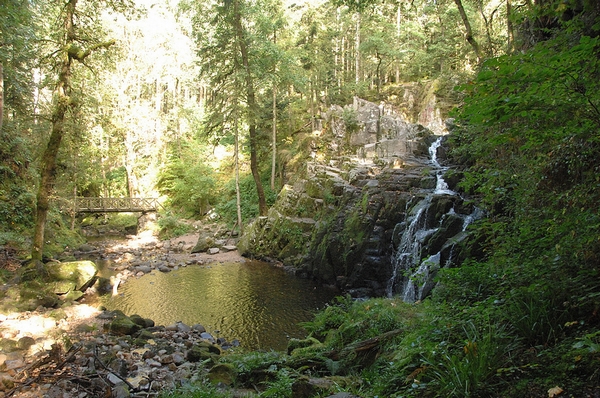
198, 353
80, 273
203, 244
8, 345
182, 327
213, 250
123, 325
143, 268
143, 322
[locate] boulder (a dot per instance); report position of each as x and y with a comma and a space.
222, 373
79, 275
204, 243
123, 325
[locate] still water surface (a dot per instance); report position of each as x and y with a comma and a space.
254, 302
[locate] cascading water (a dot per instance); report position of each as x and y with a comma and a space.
431, 220
441, 186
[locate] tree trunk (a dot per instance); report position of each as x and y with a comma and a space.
468, 31
48, 168
1, 95
274, 131
252, 108
357, 50
509, 27
62, 103
236, 152
274, 138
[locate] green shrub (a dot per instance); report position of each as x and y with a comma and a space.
463, 372
536, 314
172, 227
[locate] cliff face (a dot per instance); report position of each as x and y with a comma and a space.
368, 201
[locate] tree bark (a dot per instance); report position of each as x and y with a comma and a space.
238, 198
1, 95
509, 27
357, 50
274, 131
252, 107
274, 138
468, 31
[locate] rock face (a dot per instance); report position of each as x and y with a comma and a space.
371, 220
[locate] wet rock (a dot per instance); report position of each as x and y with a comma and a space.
143, 322
143, 268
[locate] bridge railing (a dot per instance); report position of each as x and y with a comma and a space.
114, 205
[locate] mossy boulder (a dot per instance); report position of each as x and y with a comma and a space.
204, 243
295, 344
222, 373
202, 351
72, 275
123, 325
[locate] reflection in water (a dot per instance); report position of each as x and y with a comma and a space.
254, 302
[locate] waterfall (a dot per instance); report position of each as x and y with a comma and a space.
441, 185
417, 256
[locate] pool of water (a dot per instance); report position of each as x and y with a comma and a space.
254, 302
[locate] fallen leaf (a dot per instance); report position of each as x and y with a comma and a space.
553, 392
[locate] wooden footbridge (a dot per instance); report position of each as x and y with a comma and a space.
115, 205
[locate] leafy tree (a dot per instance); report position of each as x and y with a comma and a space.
188, 181
236, 57
75, 40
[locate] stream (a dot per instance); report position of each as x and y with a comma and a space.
255, 302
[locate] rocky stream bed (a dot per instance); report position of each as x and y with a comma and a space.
77, 349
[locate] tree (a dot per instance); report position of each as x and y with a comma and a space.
233, 47
468, 30
71, 43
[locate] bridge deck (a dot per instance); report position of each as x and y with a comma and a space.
115, 205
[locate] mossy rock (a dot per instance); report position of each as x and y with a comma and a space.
8, 345
295, 344
29, 297
143, 336
81, 273
73, 295
143, 322
123, 325
222, 373
204, 243
202, 351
